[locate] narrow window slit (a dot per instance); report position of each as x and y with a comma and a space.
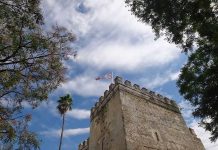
157, 137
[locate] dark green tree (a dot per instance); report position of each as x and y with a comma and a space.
193, 26
64, 105
31, 62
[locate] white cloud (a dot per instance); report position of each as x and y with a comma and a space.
75, 113
67, 132
121, 42
85, 85
64, 13
127, 57
108, 39
174, 76
159, 79
79, 113
187, 109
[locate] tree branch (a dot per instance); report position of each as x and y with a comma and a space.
37, 57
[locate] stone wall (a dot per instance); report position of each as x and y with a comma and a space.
149, 125
106, 131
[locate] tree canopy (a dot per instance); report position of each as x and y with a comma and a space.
193, 26
31, 60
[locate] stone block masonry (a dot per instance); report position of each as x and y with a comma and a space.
128, 117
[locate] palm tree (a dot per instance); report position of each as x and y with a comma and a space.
64, 105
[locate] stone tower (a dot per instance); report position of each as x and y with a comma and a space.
130, 118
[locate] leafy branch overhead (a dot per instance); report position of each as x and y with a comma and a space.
193, 26
31, 59
183, 22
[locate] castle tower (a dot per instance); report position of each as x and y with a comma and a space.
130, 118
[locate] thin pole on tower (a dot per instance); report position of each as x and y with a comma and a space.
112, 77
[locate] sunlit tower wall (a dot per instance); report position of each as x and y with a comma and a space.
128, 117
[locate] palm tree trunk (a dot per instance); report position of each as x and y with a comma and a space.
62, 130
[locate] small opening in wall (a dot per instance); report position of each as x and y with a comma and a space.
157, 137
102, 144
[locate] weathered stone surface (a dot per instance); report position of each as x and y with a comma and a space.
130, 119
106, 131
148, 125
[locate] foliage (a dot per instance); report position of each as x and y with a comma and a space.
193, 26
199, 84
64, 104
31, 59
14, 133
182, 21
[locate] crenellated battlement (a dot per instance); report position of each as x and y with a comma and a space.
84, 145
102, 101
136, 90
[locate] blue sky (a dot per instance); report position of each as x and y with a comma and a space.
109, 39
